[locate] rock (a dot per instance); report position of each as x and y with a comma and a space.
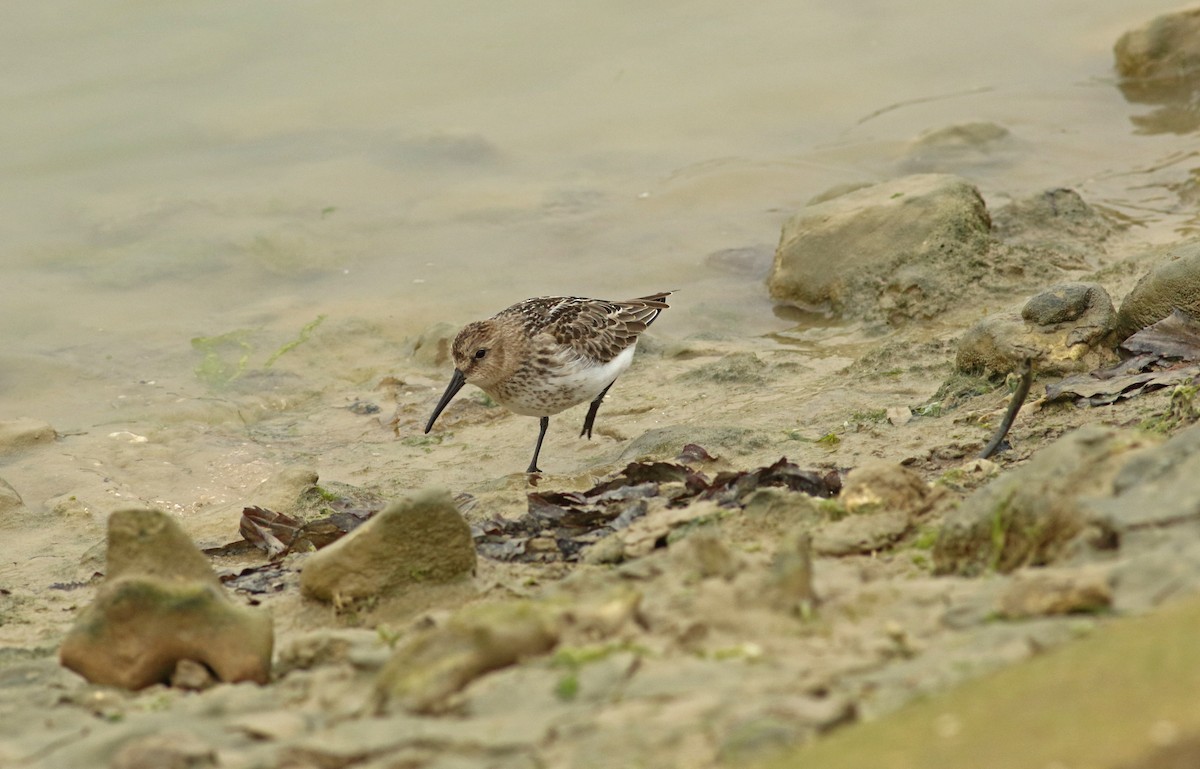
1166, 48
176, 749
1053, 220
1173, 284
1066, 328
955, 147
191, 675
1030, 516
138, 629
1150, 576
161, 604
881, 500
150, 543
431, 665
899, 415
20, 434
1048, 592
1153, 499
878, 486
420, 539
897, 250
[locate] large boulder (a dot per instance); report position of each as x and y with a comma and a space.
896, 250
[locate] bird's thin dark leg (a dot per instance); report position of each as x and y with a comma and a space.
591, 415
533, 468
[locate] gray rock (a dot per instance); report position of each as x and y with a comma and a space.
1059, 304
420, 539
1030, 516
1173, 284
20, 434
1066, 328
896, 250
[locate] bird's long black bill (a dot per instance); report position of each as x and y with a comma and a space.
456, 383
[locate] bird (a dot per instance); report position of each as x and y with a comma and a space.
546, 354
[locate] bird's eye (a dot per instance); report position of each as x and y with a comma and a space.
480, 353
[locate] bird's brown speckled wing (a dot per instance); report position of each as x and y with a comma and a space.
596, 328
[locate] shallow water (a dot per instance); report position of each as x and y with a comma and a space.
194, 170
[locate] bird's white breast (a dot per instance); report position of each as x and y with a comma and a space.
570, 381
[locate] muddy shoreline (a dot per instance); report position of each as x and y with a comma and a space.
721, 616
702, 671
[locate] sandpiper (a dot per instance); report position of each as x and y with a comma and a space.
544, 355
